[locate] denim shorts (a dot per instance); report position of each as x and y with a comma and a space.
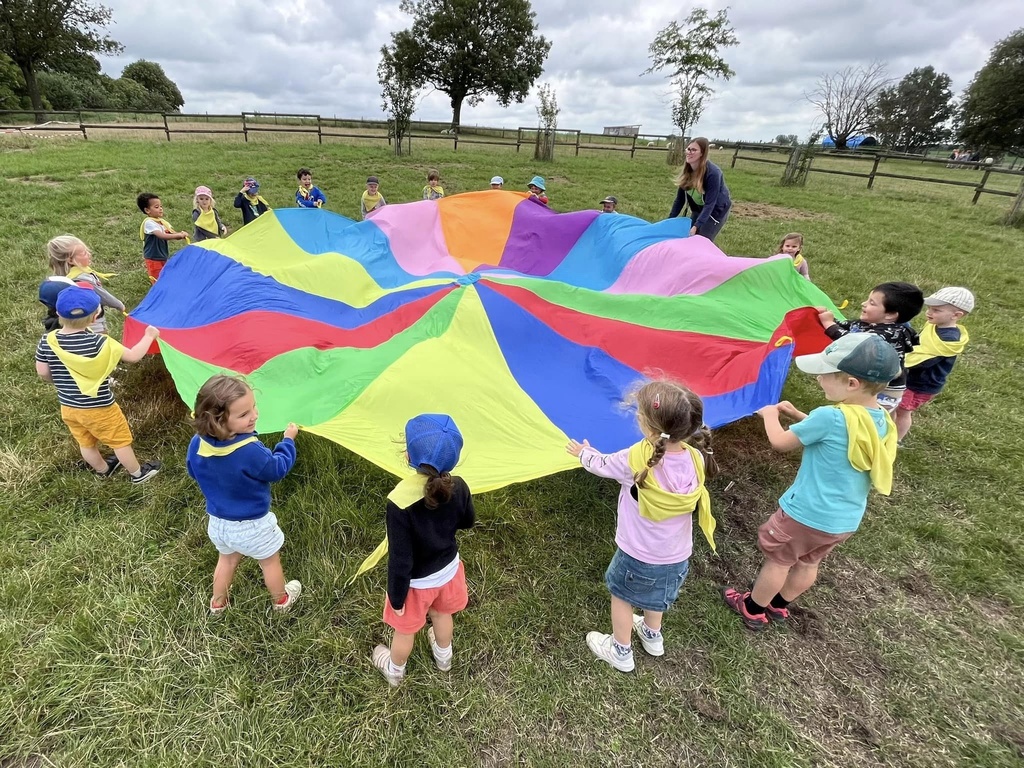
642, 585
258, 539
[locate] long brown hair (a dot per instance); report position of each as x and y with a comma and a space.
439, 486
693, 178
213, 405
677, 415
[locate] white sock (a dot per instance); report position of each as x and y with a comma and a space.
649, 633
442, 654
394, 669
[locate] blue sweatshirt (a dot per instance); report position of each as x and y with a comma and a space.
235, 475
716, 199
309, 198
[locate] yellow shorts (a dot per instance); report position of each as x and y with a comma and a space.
90, 426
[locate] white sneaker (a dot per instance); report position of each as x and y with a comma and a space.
603, 647
655, 647
216, 610
444, 665
382, 661
293, 589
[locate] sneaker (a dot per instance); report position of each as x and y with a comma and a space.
217, 610
603, 646
444, 665
777, 615
382, 661
147, 471
293, 589
112, 465
735, 600
652, 646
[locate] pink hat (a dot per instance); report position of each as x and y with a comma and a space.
203, 191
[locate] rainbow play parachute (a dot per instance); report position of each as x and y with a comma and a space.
527, 326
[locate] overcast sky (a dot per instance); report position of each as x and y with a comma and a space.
319, 56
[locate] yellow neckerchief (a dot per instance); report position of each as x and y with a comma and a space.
89, 373
868, 452
798, 259
163, 223
371, 201
206, 450
658, 505
405, 494
308, 193
255, 199
438, 190
76, 270
932, 346
207, 220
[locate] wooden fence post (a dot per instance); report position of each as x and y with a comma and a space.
245, 129
735, 155
320, 131
632, 150
981, 186
167, 128
1017, 211
577, 143
874, 169
456, 146
519, 138
81, 125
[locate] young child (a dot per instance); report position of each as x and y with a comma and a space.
78, 363
887, 313
49, 290
249, 201
372, 200
426, 578
497, 182
307, 195
848, 448
792, 245
206, 217
433, 190
537, 190
234, 470
662, 479
931, 361
609, 204
71, 258
154, 234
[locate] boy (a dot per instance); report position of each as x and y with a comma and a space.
307, 195
372, 200
497, 182
433, 190
886, 312
609, 203
154, 234
49, 290
250, 202
848, 448
932, 360
79, 363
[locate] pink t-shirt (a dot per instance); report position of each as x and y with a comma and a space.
662, 543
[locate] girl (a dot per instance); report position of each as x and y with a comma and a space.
433, 190
538, 190
702, 187
249, 201
206, 217
71, 258
792, 245
425, 575
662, 480
234, 470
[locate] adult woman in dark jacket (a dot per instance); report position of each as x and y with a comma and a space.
702, 187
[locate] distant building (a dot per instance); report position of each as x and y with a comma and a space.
621, 130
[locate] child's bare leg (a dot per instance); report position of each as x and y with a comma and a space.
653, 620
800, 579
444, 628
94, 458
903, 419
401, 647
769, 581
127, 458
273, 576
622, 621
223, 575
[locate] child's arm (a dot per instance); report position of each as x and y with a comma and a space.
786, 408
468, 518
162, 234
136, 353
43, 370
399, 557
107, 299
240, 199
611, 465
781, 439
281, 460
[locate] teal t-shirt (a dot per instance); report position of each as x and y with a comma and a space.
828, 494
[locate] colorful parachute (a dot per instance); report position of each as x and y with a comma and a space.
525, 325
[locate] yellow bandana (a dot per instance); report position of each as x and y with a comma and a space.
163, 223
207, 221
868, 452
798, 260
931, 346
306, 195
75, 271
89, 373
206, 450
370, 202
254, 200
658, 505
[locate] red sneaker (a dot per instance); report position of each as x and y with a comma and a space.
735, 600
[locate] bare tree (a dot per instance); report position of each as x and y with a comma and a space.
846, 99
547, 113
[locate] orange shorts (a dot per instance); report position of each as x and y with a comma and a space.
451, 598
154, 267
785, 541
91, 426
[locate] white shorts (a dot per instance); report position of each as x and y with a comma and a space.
258, 539
890, 398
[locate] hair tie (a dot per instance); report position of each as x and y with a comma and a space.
656, 403
665, 436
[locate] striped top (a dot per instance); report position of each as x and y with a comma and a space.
81, 343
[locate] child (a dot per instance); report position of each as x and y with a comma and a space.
206, 217
792, 245
78, 363
426, 578
886, 312
154, 234
433, 190
537, 190
372, 200
49, 290
848, 448
497, 182
932, 360
307, 195
249, 201
662, 479
234, 470
609, 203
71, 258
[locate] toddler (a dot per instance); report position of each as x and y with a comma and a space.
72, 259
307, 195
206, 217
154, 234
792, 245
372, 200
433, 190
249, 201
537, 190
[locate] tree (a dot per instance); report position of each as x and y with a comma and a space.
788, 140
68, 92
846, 100
914, 113
471, 48
547, 130
398, 95
12, 84
992, 111
164, 94
37, 33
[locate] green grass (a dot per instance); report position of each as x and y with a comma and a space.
907, 652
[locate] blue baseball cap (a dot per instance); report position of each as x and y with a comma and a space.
51, 287
74, 302
434, 440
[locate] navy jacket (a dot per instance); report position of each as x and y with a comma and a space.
716, 199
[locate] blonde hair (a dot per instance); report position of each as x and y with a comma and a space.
60, 250
693, 178
791, 236
213, 405
77, 323
195, 202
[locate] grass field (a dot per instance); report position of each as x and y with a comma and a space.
908, 652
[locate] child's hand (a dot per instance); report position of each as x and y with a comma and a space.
400, 611
152, 332
693, 231
768, 411
575, 448
786, 408
182, 235
825, 317
292, 431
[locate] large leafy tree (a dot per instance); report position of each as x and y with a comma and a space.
846, 100
992, 112
38, 33
12, 84
163, 92
916, 112
469, 49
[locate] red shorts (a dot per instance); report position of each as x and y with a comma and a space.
913, 400
154, 267
451, 598
785, 541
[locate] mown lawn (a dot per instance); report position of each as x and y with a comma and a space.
908, 652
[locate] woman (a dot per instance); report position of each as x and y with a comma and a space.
702, 186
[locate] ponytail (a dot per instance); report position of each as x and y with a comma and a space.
656, 457
701, 440
438, 488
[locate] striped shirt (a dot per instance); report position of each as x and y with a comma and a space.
82, 343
